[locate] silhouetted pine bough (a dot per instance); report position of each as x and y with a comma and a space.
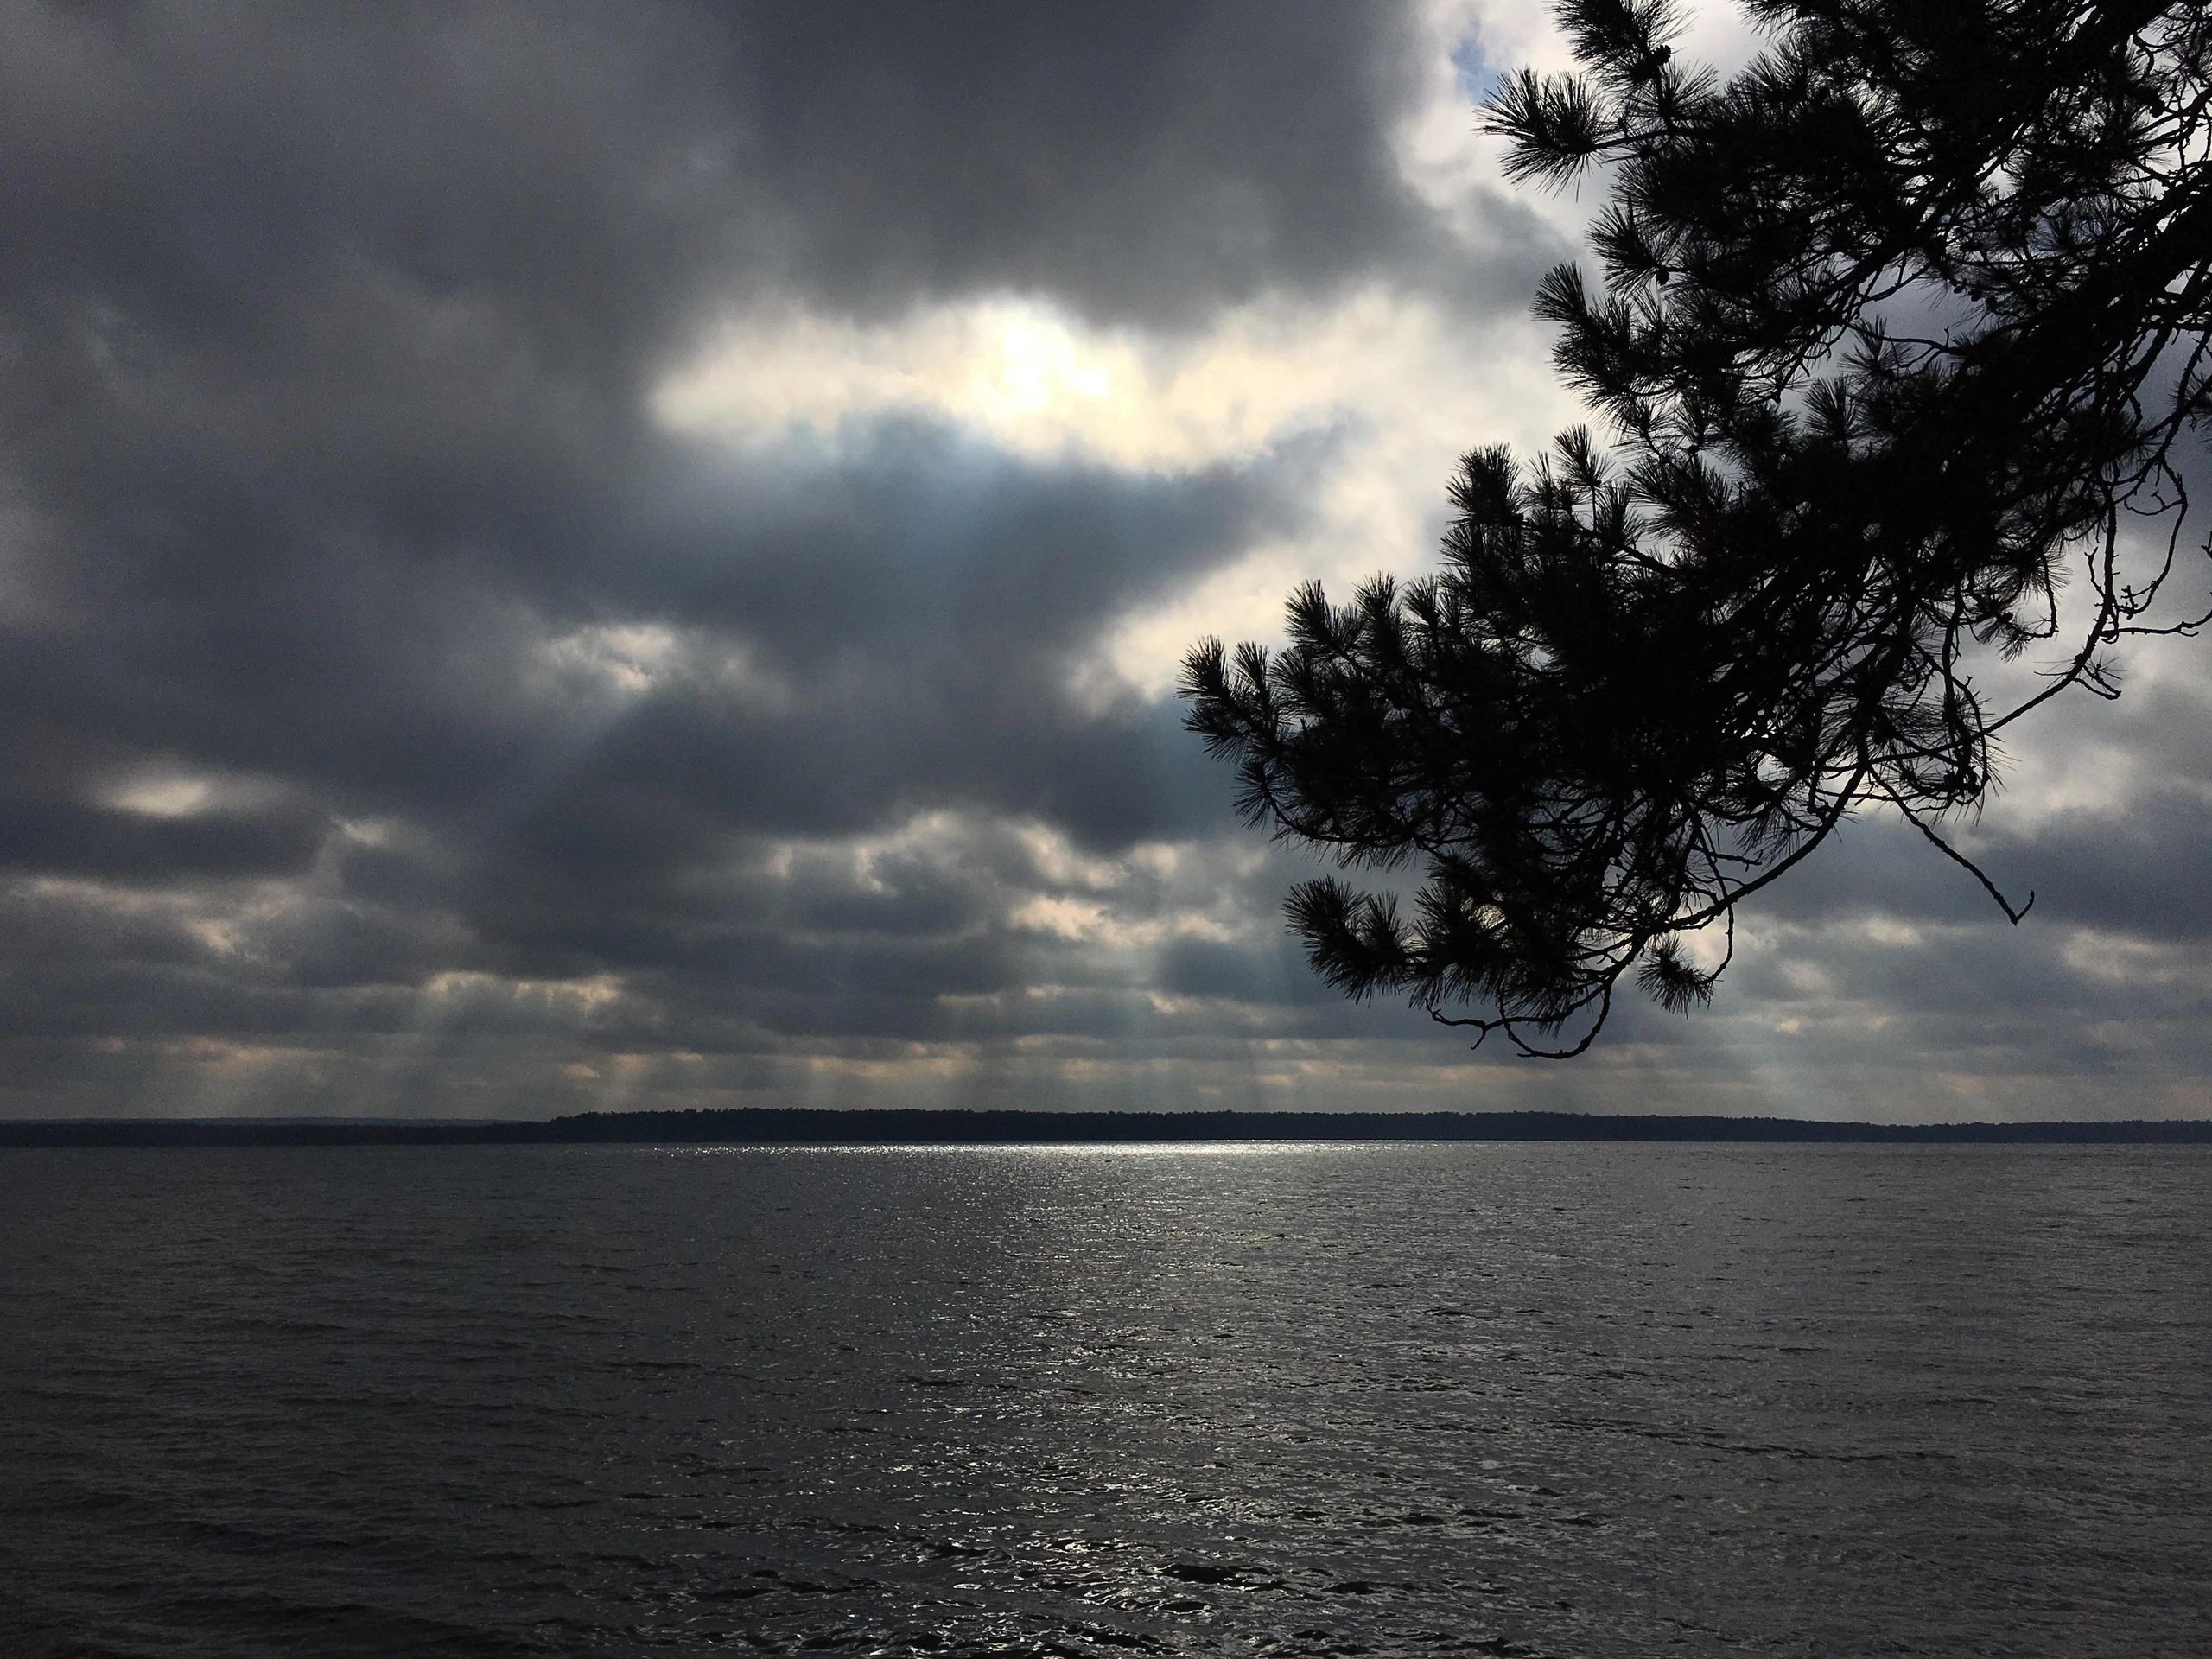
1899, 333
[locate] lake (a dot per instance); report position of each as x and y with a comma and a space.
1496, 1398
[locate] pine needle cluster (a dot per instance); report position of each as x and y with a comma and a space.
1896, 335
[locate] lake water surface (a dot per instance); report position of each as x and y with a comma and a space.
1572, 1400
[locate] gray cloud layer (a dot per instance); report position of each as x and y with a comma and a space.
397, 718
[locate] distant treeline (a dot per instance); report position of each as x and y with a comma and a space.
806, 1126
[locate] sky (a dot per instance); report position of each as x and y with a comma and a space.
571, 558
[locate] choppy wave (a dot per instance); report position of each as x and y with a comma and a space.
1489, 1398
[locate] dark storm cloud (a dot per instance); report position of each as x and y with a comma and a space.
71, 838
328, 339
2129, 857
907, 607
396, 717
199, 170
1128, 158
333, 492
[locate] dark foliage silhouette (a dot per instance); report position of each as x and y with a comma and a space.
1899, 331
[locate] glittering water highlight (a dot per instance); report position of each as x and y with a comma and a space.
1489, 1398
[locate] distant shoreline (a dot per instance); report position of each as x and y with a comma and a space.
804, 1125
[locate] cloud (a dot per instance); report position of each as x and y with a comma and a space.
1140, 162
552, 557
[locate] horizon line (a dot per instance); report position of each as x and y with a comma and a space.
1044, 1126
